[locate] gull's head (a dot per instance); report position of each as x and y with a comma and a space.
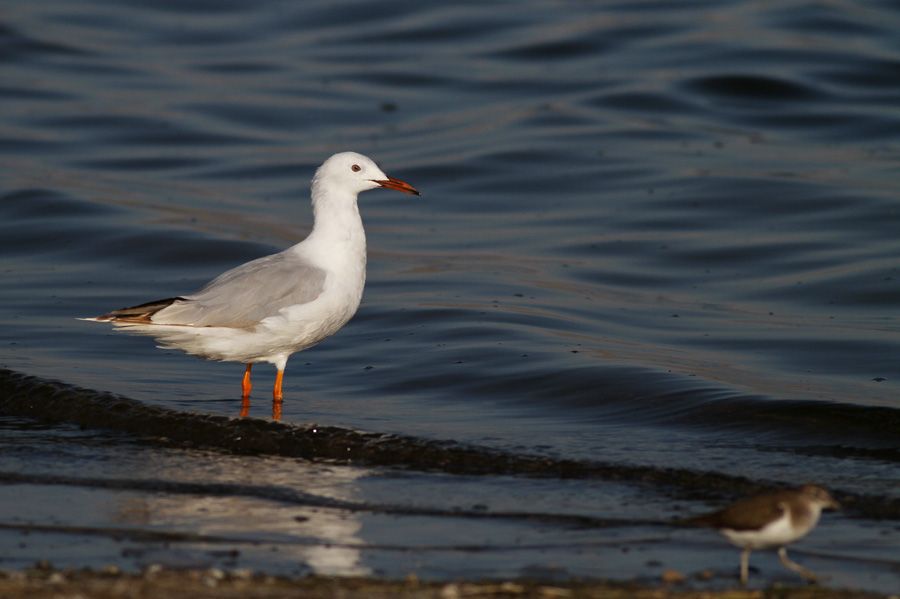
355, 173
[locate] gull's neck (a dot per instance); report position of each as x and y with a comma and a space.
337, 228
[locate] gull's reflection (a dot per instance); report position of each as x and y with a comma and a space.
276, 408
322, 539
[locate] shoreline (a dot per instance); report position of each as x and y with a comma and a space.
45, 581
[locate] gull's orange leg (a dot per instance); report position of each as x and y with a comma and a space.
277, 396
246, 386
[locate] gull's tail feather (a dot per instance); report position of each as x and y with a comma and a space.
135, 314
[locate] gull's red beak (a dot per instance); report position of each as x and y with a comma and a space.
391, 183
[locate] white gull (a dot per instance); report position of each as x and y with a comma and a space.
269, 308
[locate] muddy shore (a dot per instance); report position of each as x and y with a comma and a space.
44, 581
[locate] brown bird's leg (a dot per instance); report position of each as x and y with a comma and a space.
246, 386
277, 396
745, 565
792, 565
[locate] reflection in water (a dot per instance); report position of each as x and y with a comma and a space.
319, 540
276, 408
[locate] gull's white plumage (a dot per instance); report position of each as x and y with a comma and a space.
271, 307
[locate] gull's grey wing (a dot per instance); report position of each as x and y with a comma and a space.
243, 296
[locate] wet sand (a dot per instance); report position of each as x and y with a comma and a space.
45, 581
144, 485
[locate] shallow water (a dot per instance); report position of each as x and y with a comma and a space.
647, 237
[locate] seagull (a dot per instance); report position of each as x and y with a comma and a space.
769, 520
271, 307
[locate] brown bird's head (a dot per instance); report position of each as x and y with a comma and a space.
819, 496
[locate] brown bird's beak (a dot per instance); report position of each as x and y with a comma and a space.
391, 183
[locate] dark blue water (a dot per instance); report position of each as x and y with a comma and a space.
647, 235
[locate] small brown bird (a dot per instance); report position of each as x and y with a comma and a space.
768, 520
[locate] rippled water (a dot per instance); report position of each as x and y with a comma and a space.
647, 236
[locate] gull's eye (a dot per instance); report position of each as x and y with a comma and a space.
355, 168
